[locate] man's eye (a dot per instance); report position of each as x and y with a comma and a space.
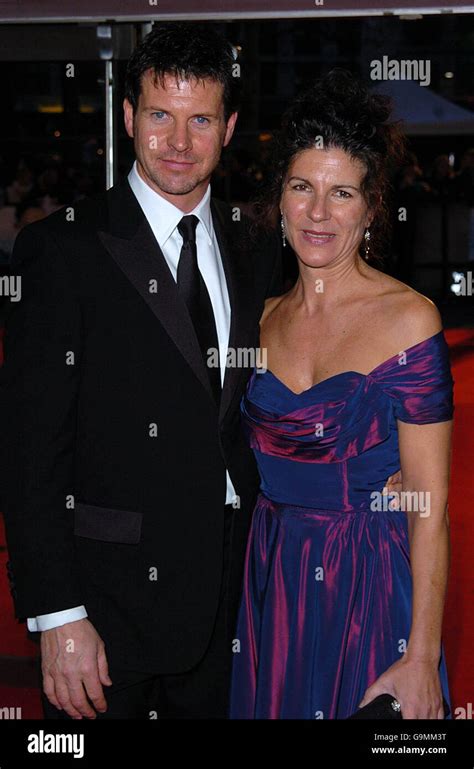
159, 115
201, 120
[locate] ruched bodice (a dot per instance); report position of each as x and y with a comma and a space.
337, 442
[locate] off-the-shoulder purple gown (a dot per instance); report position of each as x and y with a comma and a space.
327, 593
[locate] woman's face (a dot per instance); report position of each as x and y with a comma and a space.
324, 211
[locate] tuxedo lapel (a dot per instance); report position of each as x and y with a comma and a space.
239, 285
133, 246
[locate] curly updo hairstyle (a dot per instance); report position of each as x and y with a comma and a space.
340, 112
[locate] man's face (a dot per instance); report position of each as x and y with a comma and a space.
179, 131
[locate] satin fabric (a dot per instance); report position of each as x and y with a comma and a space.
327, 591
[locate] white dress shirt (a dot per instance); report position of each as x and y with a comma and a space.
163, 218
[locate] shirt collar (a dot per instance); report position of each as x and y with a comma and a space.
163, 215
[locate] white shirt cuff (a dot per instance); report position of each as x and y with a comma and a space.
55, 619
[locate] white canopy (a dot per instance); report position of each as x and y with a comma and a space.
424, 112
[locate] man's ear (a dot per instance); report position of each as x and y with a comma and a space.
230, 128
128, 117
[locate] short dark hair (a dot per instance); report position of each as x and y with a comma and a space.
186, 50
343, 113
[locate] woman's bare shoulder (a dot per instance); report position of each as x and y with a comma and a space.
412, 316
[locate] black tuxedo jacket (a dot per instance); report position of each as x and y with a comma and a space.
113, 451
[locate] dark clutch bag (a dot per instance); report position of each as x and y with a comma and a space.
385, 707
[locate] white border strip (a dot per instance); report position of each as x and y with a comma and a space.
239, 16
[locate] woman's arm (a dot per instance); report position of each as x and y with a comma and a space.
425, 462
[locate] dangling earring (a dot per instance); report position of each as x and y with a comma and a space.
283, 235
367, 247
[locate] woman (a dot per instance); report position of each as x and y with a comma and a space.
343, 598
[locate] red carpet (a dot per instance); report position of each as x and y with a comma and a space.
17, 675
459, 613
13, 638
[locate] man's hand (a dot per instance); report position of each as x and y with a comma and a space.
393, 486
74, 664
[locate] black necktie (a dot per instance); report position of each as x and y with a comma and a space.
193, 290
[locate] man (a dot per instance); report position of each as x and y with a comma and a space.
117, 493
129, 486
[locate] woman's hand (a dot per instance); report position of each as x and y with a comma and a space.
416, 686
